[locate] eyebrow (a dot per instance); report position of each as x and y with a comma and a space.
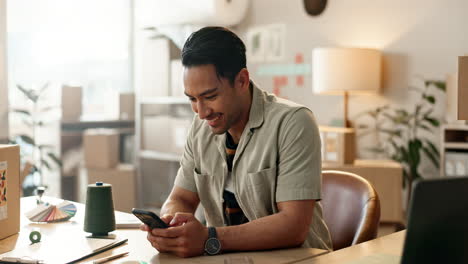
204, 93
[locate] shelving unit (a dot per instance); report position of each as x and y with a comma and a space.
454, 150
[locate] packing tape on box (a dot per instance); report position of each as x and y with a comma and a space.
35, 236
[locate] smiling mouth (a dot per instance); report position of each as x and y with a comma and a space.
212, 121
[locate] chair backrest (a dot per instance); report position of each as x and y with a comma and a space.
351, 208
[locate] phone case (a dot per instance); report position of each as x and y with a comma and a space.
149, 218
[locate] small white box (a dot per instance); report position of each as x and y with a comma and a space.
126, 106
157, 133
177, 78
71, 102
180, 128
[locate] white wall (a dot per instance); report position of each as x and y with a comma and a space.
417, 38
3, 76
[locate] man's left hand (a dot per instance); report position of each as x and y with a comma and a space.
185, 238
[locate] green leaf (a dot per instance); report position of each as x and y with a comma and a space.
432, 121
425, 127
22, 111
29, 93
438, 84
431, 156
45, 163
376, 150
414, 156
432, 147
55, 159
44, 87
430, 98
48, 108
45, 146
393, 132
27, 139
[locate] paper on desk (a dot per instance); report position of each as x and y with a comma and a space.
377, 259
57, 249
126, 221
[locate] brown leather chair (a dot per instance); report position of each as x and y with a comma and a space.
351, 208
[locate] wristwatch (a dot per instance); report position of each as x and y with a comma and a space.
212, 244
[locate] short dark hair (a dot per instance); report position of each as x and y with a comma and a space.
218, 46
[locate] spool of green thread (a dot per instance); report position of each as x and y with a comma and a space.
99, 212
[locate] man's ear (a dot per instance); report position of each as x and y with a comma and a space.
243, 79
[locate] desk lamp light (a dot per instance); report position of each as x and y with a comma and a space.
346, 71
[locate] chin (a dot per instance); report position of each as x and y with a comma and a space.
218, 130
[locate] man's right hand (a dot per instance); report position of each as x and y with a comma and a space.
167, 218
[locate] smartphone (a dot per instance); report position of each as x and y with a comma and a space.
149, 218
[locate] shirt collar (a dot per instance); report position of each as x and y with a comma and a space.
256, 109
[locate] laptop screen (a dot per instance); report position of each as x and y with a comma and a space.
438, 222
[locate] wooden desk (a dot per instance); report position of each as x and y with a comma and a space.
391, 245
66, 241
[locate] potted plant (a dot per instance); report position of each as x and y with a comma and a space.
40, 155
399, 136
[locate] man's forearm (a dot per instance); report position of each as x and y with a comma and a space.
172, 206
274, 231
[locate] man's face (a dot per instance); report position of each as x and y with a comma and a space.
212, 98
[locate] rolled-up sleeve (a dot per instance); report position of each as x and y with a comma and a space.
185, 174
299, 171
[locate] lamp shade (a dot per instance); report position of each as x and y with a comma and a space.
337, 70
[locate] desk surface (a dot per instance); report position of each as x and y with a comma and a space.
389, 245
66, 241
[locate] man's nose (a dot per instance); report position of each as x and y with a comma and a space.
202, 110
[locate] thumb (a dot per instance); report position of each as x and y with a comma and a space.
181, 218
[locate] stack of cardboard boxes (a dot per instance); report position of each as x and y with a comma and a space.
101, 155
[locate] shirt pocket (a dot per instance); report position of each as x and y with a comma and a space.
262, 189
207, 193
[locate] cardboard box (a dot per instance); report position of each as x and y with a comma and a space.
462, 87
9, 190
152, 66
122, 178
101, 148
386, 176
165, 134
127, 106
71, 102
338, 145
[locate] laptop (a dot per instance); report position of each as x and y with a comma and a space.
438, 222
437, 230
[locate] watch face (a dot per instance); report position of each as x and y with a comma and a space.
212, 246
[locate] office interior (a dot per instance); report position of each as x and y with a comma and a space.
93, 91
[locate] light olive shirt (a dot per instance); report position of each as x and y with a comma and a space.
278, 159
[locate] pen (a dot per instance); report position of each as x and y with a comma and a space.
103, 260
99, 250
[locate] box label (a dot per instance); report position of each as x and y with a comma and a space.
3, 190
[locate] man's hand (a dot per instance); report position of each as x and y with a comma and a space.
167, 218
185, 238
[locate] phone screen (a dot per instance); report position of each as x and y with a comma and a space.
149, 218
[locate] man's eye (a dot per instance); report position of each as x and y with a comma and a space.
192, 99
211, 97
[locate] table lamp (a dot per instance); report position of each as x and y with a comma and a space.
346, 71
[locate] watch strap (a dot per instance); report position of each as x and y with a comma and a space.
212, 232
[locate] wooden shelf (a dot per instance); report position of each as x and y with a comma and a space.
456, 145
165, 100
157, 155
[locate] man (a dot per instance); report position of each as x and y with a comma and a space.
251, 159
